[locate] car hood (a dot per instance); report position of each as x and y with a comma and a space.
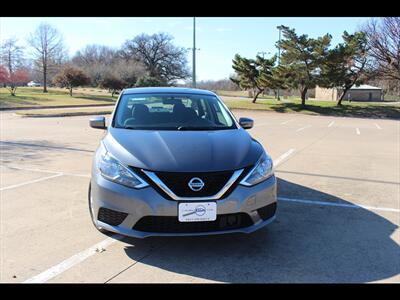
183, 151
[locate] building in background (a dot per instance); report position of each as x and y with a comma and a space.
363, 92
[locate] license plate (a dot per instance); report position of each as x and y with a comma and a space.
197, 211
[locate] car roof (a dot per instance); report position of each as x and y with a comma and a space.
177, 90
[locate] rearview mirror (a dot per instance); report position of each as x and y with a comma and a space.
246, 123
98, 122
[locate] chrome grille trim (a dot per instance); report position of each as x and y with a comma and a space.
218, 195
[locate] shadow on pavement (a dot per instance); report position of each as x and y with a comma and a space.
306, 243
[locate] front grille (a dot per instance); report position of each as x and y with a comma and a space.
267, 212
178, 182
167, 224
110, 216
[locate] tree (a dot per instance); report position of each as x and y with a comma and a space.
383, 39
71, 77
150, 81
100, 61
112, 83
48, 47
346, 64
3, 75
300, 60
253, 74
12, 80
11, 55
162, 59
95, 60
215, 85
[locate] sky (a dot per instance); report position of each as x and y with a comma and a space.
218, 38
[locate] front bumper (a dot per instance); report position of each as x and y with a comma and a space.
139, 203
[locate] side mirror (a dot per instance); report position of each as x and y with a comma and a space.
246, 123
98, 122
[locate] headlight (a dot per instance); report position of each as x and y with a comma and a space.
112, 170
262, 171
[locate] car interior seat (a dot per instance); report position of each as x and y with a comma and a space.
140, 112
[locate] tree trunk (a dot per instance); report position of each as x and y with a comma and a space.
44, 79
303, 96
339, 103
256, 95
70, 91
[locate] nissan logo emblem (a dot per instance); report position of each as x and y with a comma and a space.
196, 184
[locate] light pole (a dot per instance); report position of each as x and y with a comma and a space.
279, 58
194, 53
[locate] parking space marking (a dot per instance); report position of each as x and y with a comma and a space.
30, 182
331, 124
377, 126
302, 128
73, 260
47, 171
283, 157
358, 131
315, 202
283, 123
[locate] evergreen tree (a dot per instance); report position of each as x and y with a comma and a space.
253, 74
346, 64
301, 59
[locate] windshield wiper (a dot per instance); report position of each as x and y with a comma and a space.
138, 127
182, 127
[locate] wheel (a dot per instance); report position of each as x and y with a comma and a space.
102, 230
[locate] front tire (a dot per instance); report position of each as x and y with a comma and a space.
102, 230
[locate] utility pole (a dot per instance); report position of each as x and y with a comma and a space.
194, 53
279, 58
263, 53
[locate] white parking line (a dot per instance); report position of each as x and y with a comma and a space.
80, 257
283, 123
331, 124
358, 131
377, 126
302, 128
314, 202
47, 171
283, 157
30, 182
73, 260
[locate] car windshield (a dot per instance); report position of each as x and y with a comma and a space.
172, 112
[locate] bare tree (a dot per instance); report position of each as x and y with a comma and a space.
11, 55
48, 47
94, 54
102, 62
162, 59
383, 38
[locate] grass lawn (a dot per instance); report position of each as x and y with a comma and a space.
26, 96
89, 96
329, 108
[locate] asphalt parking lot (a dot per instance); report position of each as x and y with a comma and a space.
337, 220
